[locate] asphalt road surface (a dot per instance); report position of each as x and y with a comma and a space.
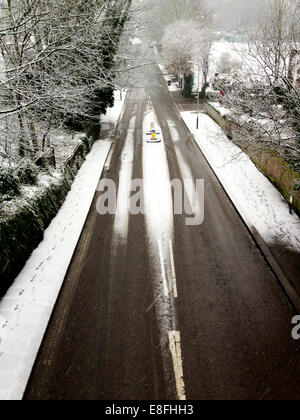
154, 309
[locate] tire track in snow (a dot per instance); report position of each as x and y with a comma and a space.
125, 178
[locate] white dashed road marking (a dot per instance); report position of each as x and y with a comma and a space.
175, 348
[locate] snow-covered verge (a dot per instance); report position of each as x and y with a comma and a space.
26, 309
283, 172
257, 200
26, 214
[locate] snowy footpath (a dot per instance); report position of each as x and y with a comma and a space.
26, 309
259, 203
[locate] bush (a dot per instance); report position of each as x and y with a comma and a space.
28, 173
10, 185
21, 232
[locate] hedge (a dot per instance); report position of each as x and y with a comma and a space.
21, 232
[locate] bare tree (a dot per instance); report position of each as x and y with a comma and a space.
271, 39
167, 12
203, 56
197, 42
177, 35
59, 65
264, 103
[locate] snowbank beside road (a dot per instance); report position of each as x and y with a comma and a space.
258, 201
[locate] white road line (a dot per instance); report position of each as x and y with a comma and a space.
175, 348
173, 271
163, 270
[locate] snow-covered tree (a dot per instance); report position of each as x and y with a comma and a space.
59, 65
167, 12
185, 41
271, 39
179, 46
264, 102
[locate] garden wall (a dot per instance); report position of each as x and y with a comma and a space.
221, 120
276, 169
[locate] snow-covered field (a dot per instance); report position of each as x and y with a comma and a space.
257, 200
26, 309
